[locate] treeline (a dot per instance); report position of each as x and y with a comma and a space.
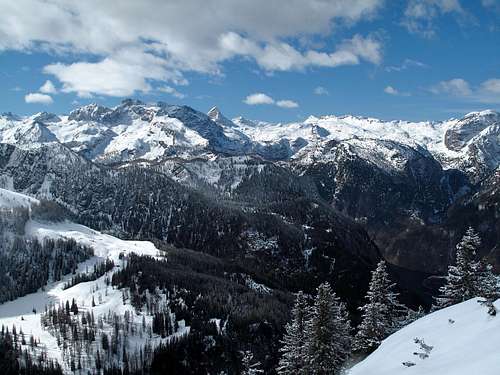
100, 344
224, 315
99, 269
19, 357
28, 264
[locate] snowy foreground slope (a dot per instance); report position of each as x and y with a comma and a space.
20, 312
465, 340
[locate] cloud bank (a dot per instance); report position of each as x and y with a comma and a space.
132, 47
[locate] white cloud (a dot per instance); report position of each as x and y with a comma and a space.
491, 3
38, 98
320, 90
161, 43
258, 98
486, 92
420, 15
261, 98
456, 87
120, 75
393, 91
491, 85
407, 64
172, 91
287, 104
283, 56
48, 88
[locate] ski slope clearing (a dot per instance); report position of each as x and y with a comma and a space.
459, 340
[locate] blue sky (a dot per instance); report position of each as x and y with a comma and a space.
269, 60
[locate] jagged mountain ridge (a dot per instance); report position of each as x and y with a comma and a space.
134, 130
389, 176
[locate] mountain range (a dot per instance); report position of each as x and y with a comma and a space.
257, 209
396, 179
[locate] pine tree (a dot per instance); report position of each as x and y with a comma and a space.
328, 340
412, 315
293, 351
249, 367
381, 315
463, 279
488, 286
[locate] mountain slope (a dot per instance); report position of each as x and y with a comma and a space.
26, 312
464, 340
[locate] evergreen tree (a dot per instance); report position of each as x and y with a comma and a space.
382, 314
488, 286
463, 279
249, 367
328, 340
293, 351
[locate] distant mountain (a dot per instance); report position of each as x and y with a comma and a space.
397, 179
137, 131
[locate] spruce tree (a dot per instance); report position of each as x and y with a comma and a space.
249, 366
293, 351
328, 341
381, 315
463, 279
488, 286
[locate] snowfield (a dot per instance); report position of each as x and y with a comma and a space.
465, 340
10, 199
107, 299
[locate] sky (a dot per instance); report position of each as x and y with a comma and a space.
274, 60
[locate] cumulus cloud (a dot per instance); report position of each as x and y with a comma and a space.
486, 92
38, 98
320, 90
283, 56
456, 87
491, 85
128, 71
48, 88
420, 15
392, 91
258, 98
161, 44
261, 98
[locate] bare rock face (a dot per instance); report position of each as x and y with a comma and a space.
461, 133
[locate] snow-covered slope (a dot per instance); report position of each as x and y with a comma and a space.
465, 340
10, 199
20, 312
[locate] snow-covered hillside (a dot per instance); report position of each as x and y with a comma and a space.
25, 312
460, 340
11, 199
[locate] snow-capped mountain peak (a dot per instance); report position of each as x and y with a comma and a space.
135, 130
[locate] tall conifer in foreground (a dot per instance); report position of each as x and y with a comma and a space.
381, 315
468, 278
293, 354
328, 337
